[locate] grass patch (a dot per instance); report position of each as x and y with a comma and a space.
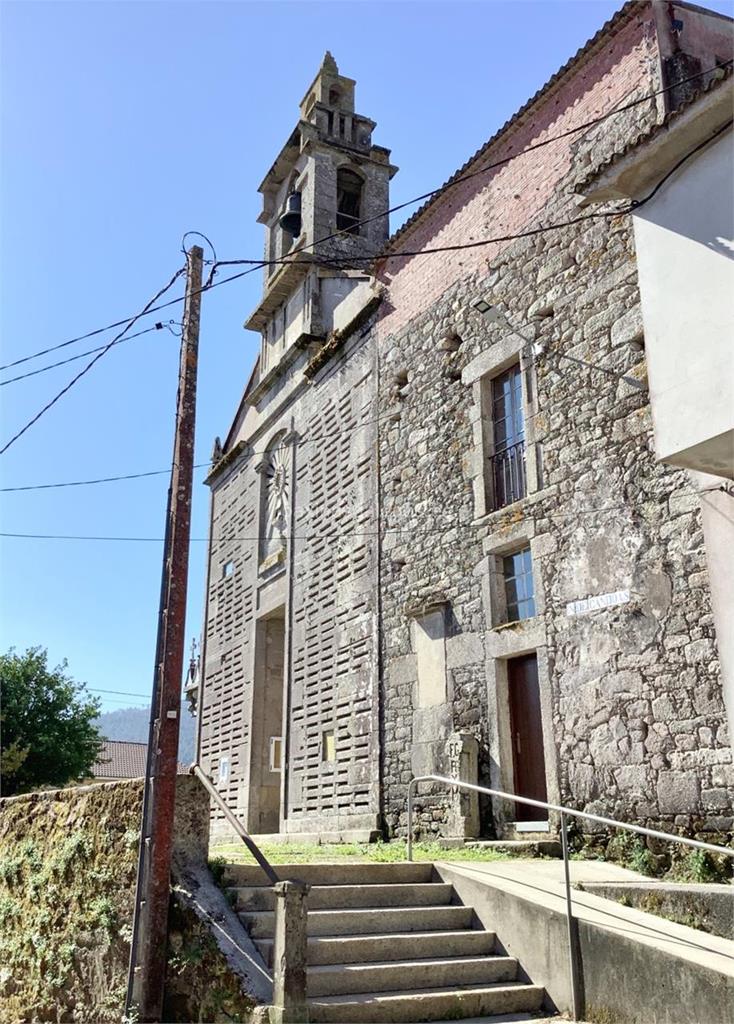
692, 865
374, 853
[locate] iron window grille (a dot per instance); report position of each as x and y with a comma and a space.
508, 476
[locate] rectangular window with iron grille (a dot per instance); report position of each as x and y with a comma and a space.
508, 477
517, 570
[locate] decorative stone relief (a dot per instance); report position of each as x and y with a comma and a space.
275, 508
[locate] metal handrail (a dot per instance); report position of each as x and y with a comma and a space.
235, 823
563, 811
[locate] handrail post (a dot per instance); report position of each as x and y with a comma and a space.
290, 953
572, 944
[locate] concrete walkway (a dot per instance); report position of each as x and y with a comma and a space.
542, 882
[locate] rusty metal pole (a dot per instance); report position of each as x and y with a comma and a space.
150, 927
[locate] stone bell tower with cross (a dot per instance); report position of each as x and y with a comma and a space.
324, 203
288, 724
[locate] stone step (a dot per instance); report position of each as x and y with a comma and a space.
340, 873
350, 835
426, 1004
540, 1016
260, 924
362, 949
393, 976
328, 897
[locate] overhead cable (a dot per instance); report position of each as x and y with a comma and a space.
91, 363
333, 536
88, 352
257, 264
98, 480
452, 183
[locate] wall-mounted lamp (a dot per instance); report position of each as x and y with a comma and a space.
490, 312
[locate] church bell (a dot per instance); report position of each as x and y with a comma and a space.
290, 219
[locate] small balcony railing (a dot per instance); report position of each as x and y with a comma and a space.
507, 473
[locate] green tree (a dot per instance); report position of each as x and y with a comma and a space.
47, 732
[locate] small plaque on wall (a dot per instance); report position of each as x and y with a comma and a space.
598, 601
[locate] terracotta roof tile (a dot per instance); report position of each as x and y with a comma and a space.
647, 134
123, 759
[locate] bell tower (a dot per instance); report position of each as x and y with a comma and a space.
325, 183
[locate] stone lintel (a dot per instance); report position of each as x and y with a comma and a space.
417, 605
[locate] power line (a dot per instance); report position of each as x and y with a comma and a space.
98, 480
91, 362
119, 693
619, 212
124, 704
395, 413
411, 391
89, 352
553, 352
541, 229
258, 264
460, 180
392, 415
468, 245
63, 344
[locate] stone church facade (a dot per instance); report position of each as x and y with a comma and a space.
440, 541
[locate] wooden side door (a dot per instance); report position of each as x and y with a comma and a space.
527, 735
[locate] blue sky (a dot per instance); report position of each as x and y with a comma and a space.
123, 125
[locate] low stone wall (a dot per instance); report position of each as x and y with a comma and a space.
68, 862
708, 908
67, 885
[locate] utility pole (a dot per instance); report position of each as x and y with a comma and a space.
148, 949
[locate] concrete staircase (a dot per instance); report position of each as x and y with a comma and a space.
389, 943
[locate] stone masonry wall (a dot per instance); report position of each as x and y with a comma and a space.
634, 723
68, 862
325, 585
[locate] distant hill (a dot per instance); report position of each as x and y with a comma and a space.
132, 724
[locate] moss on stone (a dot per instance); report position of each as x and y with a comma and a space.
67, 876
68, 863
200, 985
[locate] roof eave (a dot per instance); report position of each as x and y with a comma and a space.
653, 155
615, 23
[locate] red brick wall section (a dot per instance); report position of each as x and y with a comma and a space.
520, 194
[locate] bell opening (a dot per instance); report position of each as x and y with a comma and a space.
290, 219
